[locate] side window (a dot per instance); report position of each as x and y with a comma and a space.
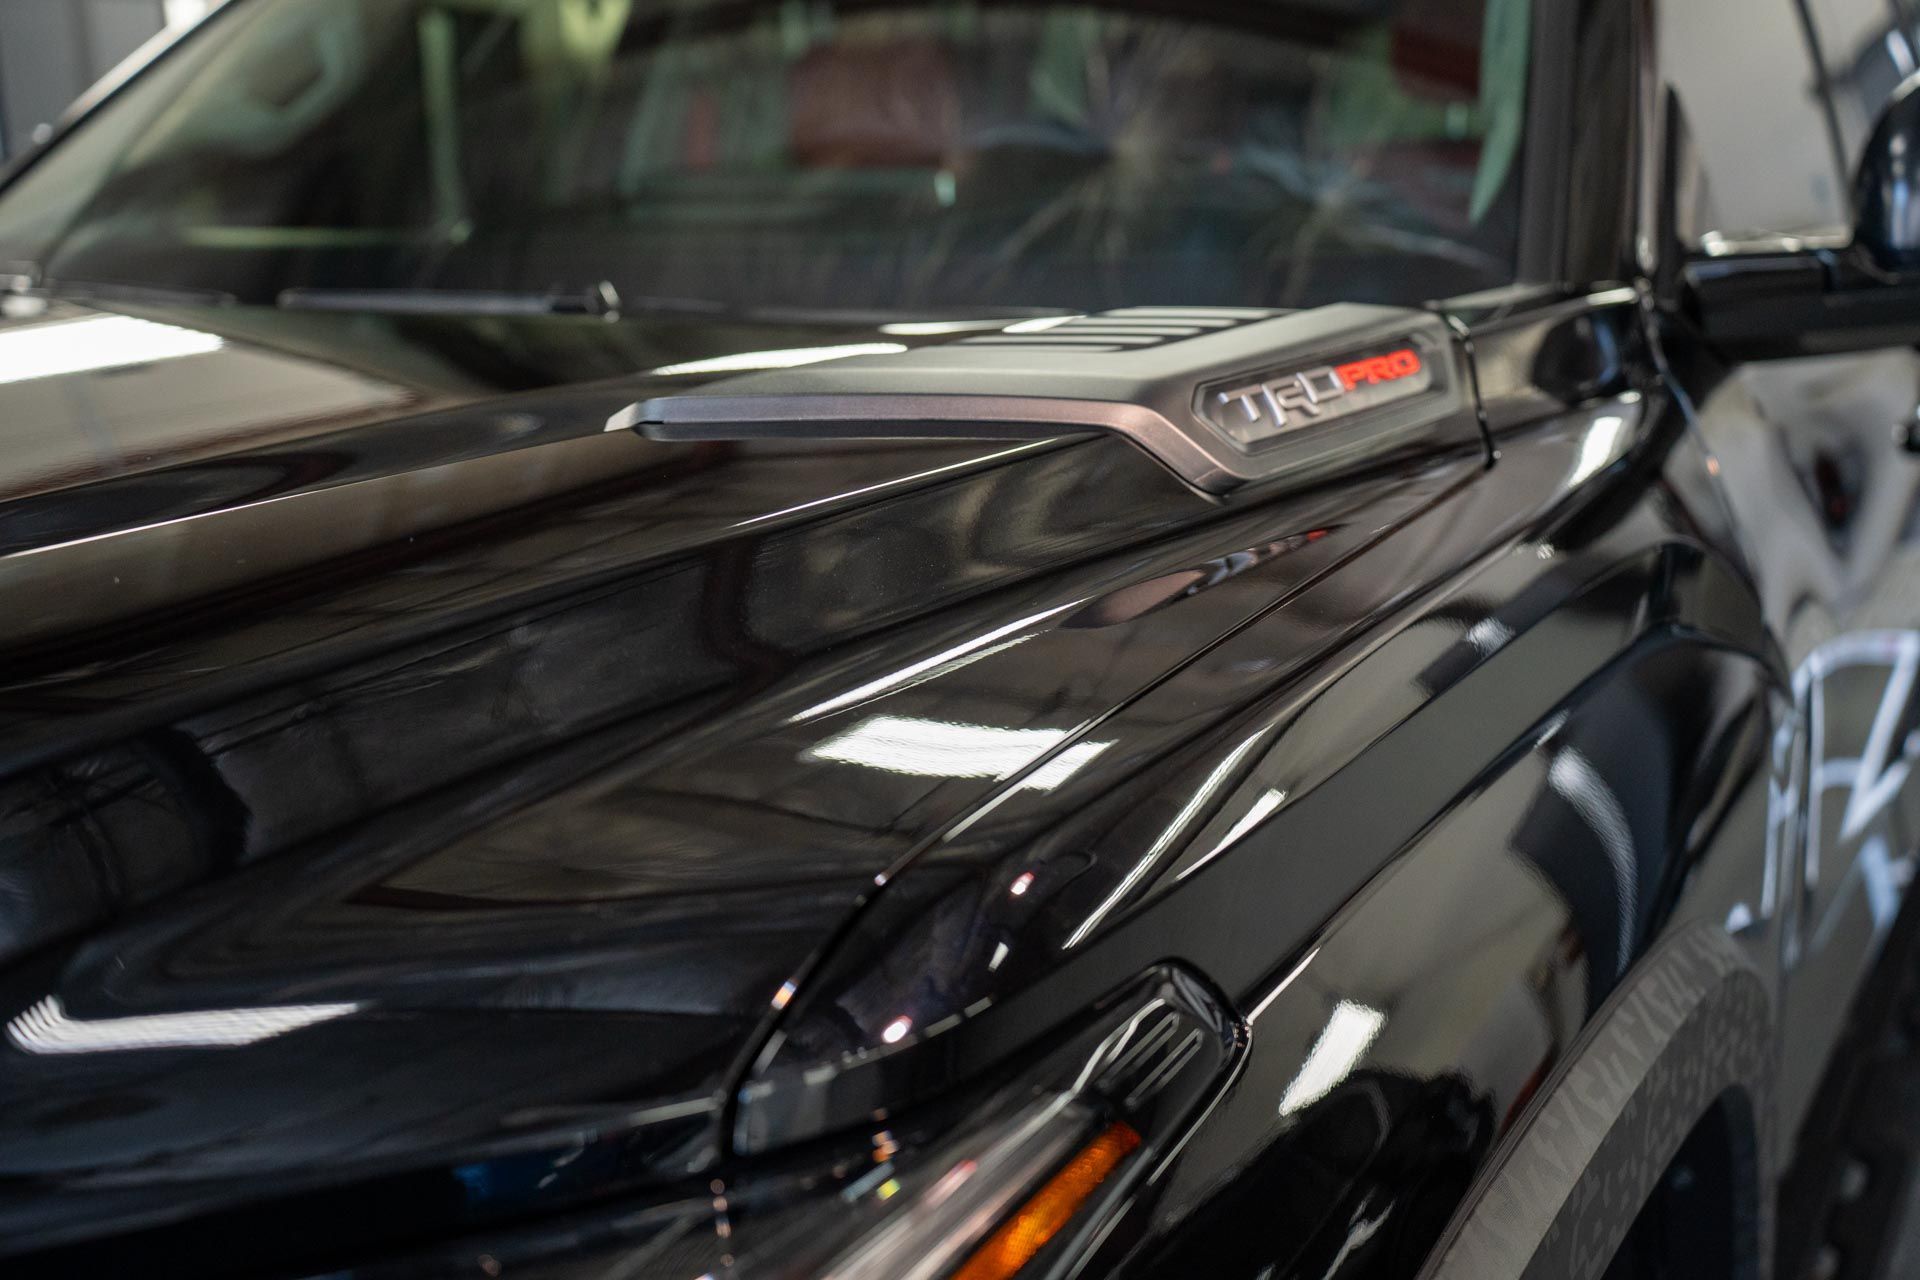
1752, 99
1868, 51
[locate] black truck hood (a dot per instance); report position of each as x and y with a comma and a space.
422, 805
405, 782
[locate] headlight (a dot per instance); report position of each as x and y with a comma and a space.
1037, 1166
1044, 1166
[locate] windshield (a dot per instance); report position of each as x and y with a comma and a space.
829, 155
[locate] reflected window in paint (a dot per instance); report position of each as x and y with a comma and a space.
1573, 776
1202, 797
948, 749
942, 663
1488, 635
793, 358
94, 344
1055, 772
1261, 810
1598, 449
46, 1029
934, 328
1040, 324
1349, 1033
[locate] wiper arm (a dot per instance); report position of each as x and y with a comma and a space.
600, 300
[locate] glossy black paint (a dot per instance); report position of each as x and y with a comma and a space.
1884, 188
633, 820
470, 698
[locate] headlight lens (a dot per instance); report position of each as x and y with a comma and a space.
1042, 1165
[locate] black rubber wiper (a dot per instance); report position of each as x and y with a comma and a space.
600, 300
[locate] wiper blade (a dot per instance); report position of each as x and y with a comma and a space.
600, 300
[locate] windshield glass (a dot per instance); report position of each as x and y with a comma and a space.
831, 155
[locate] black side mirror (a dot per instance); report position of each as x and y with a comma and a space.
1886, 192
1790, 297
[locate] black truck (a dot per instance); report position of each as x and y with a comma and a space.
959, 639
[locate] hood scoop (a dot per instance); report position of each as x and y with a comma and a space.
1225, 397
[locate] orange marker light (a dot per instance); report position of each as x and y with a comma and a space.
1051, 1207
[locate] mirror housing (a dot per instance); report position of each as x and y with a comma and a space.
1886, 192
1789, 296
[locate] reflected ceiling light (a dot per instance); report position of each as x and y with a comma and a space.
1190, 810
1345, 1040
1042, 324
942, 663
896, 1031
1488, 634
1900, 52
1258, 813
619, 423
1597, 450
1286, 983
1063, 766
46, 1028
937, 748
751, 361
1573, 776
100, 342
931, 328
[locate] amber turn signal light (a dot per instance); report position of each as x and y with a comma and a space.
1050, 1208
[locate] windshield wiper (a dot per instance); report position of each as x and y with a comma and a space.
600, 300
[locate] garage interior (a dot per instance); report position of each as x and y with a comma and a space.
52, 50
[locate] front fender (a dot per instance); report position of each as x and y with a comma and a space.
1691, 1028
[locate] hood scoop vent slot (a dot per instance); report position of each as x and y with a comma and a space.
1127, 328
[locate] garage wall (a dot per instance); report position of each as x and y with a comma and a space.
52, 50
